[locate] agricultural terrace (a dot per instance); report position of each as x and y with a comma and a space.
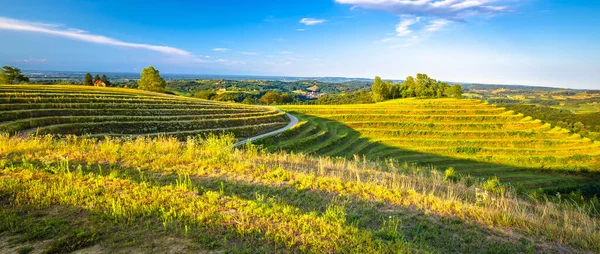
100, 112
160, 195
472, 137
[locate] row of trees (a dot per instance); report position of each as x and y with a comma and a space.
268, 98
89, 82
422, 87
12, 75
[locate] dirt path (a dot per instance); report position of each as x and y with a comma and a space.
293, 122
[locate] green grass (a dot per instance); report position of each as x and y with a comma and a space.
80, 110
472, 137
153, 194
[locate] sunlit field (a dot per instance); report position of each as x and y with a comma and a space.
472, 137
164, 195
100, 112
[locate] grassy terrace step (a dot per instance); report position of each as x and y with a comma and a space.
493, 118
468, 135
238, 131
31, 114
30, 123
121, 106
148, 126
79, 110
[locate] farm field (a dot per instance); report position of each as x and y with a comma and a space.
474, 138
116, 112
161, 195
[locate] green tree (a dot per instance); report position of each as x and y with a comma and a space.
150, 80
408, 87
104, 79
455, 91
3, 79
96, 78
270, 98
379, 90
88, 80
11, 74
395, 92
207, 95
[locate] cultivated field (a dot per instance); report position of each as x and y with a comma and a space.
473, 137
160, 195
100, 112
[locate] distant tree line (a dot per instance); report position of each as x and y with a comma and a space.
362, 96
266, 98
12, 75
421, 87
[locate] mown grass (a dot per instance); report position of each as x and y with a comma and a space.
470, 136
80, 110
212, 196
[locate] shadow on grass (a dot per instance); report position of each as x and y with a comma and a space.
344, 141
413, 227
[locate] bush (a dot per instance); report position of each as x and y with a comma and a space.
450, 175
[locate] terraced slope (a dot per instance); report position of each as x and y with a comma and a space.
81, 110
468, 135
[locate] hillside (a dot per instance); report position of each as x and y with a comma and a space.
474, 138
164, 196
99, 112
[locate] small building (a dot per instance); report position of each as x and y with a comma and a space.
99, 83
222, 89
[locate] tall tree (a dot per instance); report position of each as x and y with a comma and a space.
455, 91
151, 80
379, 90
88, 80
408, 87
104, 79
11, 74
96, 78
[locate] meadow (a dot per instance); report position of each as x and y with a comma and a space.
100, 170
163, 195
472, 137
118, 112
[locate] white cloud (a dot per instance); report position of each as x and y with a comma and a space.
249, 53
403, 28
447, 9
436, 25
286, 52
312, 22
31, 60
229, 62
81, 35
221, 49
437, 15
300, 30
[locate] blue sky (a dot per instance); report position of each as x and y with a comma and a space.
531, 42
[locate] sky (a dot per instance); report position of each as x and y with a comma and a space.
528, 42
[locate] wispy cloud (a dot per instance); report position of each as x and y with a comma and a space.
31, 60
446, 9
81, 35
300, 30
249, 53
285, 52
436, 25
229, 62
221, 49
312, 22
403, 28
420, 18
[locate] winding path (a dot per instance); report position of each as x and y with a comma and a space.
293, 122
